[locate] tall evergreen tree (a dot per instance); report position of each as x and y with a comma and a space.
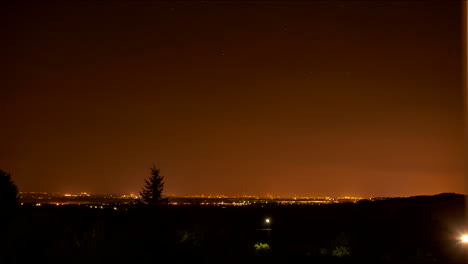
152, 192
8, 191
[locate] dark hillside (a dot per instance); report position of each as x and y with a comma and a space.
418, 229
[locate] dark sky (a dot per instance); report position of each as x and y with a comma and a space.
234, 97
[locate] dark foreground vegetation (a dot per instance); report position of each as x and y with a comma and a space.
423, 229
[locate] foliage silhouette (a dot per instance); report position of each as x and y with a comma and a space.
262, 247
341, 251
8, 191
152, 191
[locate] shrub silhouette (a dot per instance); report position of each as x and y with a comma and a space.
262, 247
341, 251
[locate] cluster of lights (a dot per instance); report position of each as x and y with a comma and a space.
130, 196
102, 207
96, 207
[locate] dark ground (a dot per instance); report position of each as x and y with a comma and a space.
421, 229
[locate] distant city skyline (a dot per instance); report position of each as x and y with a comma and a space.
202, 195
115, 202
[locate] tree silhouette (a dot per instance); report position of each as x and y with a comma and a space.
152, 192
8, 191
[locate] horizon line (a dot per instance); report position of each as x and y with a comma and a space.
243, 195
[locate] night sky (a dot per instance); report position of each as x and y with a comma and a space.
316, 98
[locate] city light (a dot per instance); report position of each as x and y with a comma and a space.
219, 200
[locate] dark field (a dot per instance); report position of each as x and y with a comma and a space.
422, 229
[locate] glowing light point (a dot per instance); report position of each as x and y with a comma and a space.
464, 238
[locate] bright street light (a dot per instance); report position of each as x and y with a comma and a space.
464, 239
268, 222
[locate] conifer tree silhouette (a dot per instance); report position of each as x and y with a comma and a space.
152, 191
